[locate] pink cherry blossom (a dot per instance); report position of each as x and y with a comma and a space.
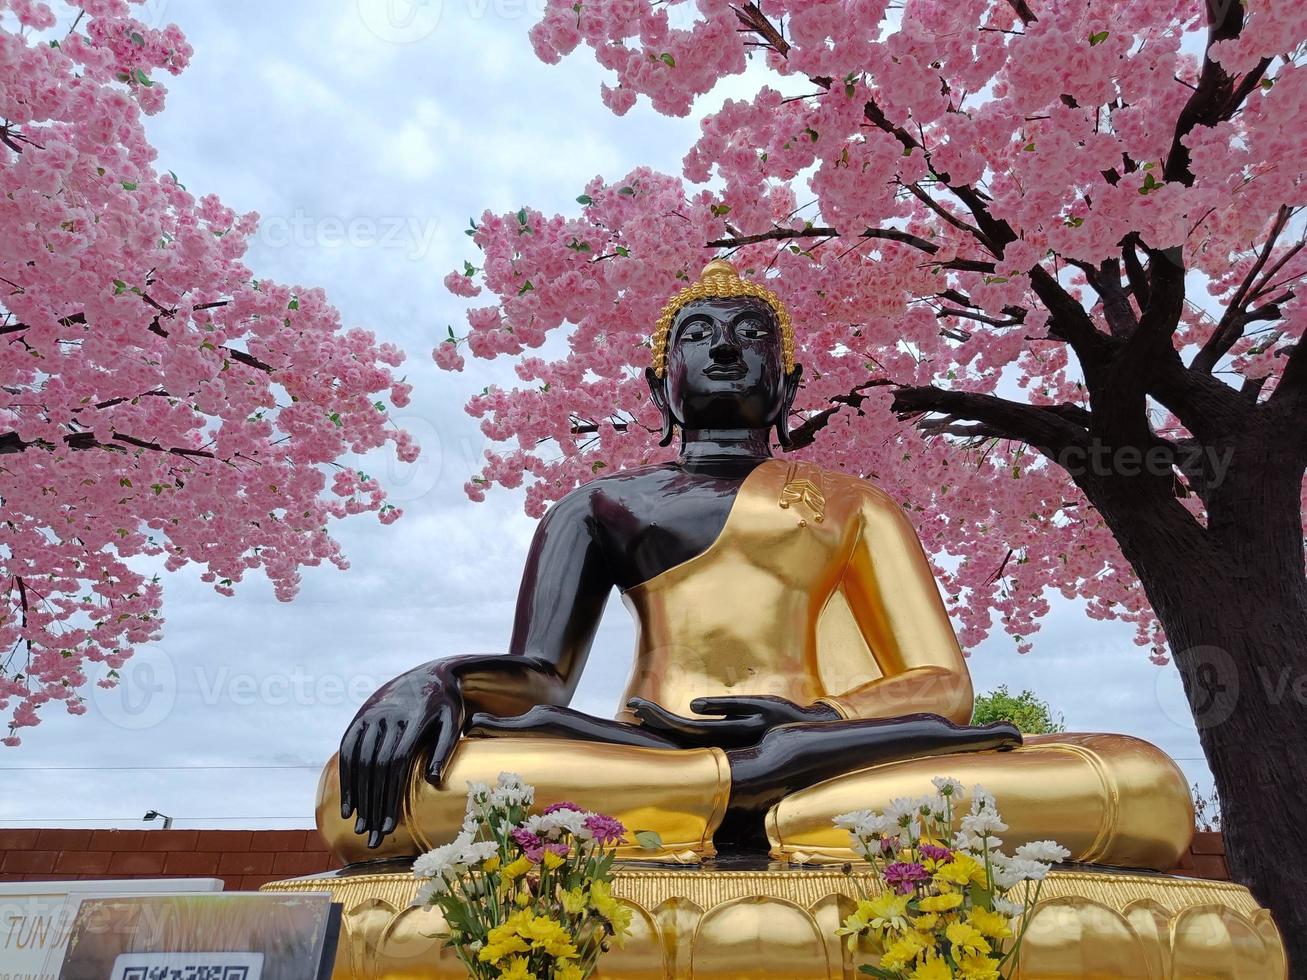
160, 404
1053, 124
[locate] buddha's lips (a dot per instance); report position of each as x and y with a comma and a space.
733, 372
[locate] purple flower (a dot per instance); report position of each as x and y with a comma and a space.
606, 829
555, 807
903, 876
558, 848
532, 846
933, 853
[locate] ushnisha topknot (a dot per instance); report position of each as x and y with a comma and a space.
719, 280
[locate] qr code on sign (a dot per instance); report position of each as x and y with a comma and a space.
187, 966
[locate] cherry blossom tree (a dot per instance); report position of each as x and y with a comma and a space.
159, 405
1045, 262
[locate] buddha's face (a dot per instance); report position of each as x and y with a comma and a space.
725, 368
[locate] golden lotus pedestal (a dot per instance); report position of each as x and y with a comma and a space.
741, 919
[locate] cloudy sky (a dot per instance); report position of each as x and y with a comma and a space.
366, 133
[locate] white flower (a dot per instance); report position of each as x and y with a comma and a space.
429, 889
983, 823
902, 811
948, 786
453, 858
1044, 852
982, 799
511, 790
1004, 907
554, 825
866, 824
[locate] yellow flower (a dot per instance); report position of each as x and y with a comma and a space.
517, 868
966, 939
977, 967
490, 864
962, 870
573, 900
516, 969
933, 968
552, 861
904, 951
888, 912
617, 914
568, 971
926, 923
494, 951
941, 903
991, 924
548, 935
523, 898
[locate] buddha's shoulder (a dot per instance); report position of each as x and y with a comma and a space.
632, 480
846, 490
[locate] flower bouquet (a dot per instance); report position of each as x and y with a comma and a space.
951, 901
526, 897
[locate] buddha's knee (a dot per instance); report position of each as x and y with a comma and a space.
1109, 799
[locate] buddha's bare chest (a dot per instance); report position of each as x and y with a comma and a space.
653, 520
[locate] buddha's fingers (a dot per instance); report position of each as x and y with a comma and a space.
349, 768
391, 764
448, 728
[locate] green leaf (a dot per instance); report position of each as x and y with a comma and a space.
649, 839
526, 288
124, 482
294, 303
521, 216
335, 418
142, 78
628, 191
137, 39
471, 228
584, 199
119, 287
469, 269
720, 209
598, 465
379, 406
1099, 38
623, 251
54, 44
667, 60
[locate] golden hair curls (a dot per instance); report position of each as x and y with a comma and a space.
719, 280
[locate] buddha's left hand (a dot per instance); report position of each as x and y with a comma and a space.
744, 719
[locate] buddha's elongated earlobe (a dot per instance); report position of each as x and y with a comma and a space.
658, 392
783, 420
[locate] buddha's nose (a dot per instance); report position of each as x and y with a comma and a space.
724, 345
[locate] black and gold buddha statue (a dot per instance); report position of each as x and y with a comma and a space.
794, 659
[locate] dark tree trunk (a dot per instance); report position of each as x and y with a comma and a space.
1233, 600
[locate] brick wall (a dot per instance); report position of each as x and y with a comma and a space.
243, 859
246, 859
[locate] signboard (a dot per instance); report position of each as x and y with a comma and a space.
36, 918
228, 936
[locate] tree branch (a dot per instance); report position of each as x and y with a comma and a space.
1231, 325
804, 434
886, 234
1050, 429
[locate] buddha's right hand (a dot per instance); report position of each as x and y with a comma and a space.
381, 746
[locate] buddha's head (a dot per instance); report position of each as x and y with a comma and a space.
723, 357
